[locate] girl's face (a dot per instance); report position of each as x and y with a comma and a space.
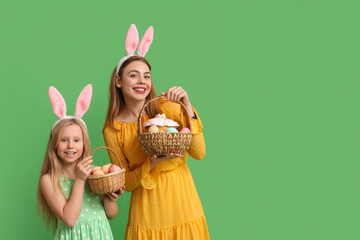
71, 146
135, 82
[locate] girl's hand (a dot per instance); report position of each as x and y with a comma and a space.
83, 168
109, 201
177, 95
154, 160
115, 195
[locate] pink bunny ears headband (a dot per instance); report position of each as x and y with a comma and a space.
131, 42
59, 105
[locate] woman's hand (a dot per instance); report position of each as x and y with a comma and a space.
83, 168
115, 195
154, 160
177, 95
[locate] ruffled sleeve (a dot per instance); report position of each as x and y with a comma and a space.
133, 177
177, 113
197, 147
149, 180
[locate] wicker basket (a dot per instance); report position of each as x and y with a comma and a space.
163, 143
107, 183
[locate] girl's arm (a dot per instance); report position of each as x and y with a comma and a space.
109, 202
67, 211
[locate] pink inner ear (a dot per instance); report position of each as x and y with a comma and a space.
83, 101
57, 102
132, 40
146, 41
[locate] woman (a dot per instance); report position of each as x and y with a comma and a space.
164, 201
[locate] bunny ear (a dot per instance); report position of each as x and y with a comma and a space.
83, 101
146, 41
132, 40
57, 102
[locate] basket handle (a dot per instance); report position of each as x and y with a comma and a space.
156, 98
110, 150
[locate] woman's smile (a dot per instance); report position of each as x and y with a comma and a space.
136, 81
140, 90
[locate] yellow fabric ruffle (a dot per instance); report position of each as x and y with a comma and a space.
149, 181
194, 229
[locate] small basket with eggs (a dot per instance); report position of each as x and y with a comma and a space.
108, 178
159, 136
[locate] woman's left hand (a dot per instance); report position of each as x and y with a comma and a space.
177, 95
115, 195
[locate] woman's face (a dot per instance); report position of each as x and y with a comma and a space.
135, 82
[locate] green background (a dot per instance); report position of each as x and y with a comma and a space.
276, 84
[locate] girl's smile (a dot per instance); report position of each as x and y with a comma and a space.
70, 146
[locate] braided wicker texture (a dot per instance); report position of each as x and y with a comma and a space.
107, 183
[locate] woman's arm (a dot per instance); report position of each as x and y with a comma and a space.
197, 148
133, 178
178, 113
67, 211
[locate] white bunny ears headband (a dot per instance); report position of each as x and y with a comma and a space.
59, 105
131, 42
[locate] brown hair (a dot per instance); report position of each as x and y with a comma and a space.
52, 165
116, 98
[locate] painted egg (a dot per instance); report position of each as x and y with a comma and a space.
162, 128
153, 129
170, 129
185, 130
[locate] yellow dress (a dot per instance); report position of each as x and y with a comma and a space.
164, 203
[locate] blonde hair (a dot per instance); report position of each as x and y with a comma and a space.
116, 98
52, 165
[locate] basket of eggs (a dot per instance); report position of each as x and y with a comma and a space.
161, 136
108, 178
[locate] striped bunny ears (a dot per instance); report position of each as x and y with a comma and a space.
132, 41
59, 105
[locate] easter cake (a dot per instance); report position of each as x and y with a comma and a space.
160, 124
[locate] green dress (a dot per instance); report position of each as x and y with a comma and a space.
92, 222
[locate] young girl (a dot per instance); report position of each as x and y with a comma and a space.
164, 201
63, 195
